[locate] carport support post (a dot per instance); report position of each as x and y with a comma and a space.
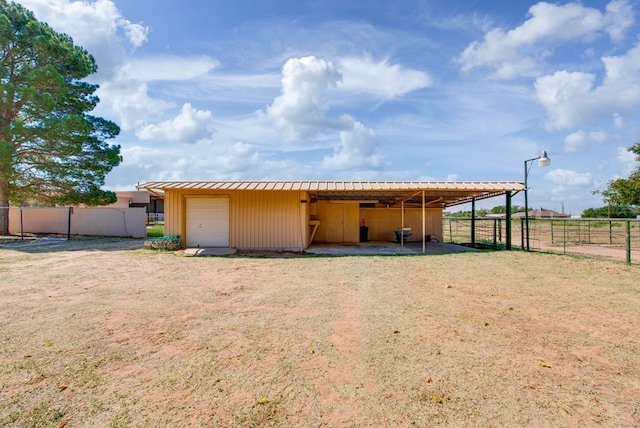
402, 227
473, 222
424, 247
508, 218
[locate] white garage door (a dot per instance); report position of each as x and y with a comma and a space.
207, 222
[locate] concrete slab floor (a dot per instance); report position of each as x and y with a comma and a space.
385, 248
210, 251
371, 248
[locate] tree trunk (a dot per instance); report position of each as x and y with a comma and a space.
4, 207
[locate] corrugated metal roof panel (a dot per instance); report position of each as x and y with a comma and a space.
336, 185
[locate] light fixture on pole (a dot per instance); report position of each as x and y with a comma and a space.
543, 160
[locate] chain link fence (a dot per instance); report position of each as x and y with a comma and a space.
617, 239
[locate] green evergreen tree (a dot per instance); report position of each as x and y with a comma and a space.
51, 149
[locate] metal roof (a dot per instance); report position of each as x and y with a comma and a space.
444, 193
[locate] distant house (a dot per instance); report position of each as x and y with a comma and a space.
292, 215
131, 199
542, 213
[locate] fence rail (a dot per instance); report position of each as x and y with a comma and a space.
617, 239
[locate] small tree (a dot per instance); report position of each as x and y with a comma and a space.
51, 149
625, 191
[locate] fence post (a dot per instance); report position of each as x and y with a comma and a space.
69, 224
610, 233
522, 232
508, 219
21, 226
495, 233
564, 239
628, 242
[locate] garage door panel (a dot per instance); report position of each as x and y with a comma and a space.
207, 222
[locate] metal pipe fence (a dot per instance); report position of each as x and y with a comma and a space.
617, 239
155, 218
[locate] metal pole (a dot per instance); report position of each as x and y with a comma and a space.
402, 227
495, 233
508, 219
473, 222
526, 203
628, 242
424, 223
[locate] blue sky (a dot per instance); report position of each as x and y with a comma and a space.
366, 90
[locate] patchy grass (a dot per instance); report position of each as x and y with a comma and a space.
104, 333
155, 231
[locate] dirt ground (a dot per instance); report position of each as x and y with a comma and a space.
105, 333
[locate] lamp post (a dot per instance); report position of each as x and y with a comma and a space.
543, 160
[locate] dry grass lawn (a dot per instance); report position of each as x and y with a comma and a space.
104, 333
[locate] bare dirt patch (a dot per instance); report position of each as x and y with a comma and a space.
103, 333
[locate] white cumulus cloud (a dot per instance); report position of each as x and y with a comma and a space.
96, 26
519, 51
359, 149
189, 126
572, 99
129, 100
299, 112
628, 161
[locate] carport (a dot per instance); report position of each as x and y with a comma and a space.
421, 195
291, 215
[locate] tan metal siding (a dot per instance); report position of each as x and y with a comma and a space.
268, 219
382, 222
257, 219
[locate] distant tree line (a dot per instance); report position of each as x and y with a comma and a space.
483, 212
614, 211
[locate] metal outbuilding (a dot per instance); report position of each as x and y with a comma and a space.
292, 215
